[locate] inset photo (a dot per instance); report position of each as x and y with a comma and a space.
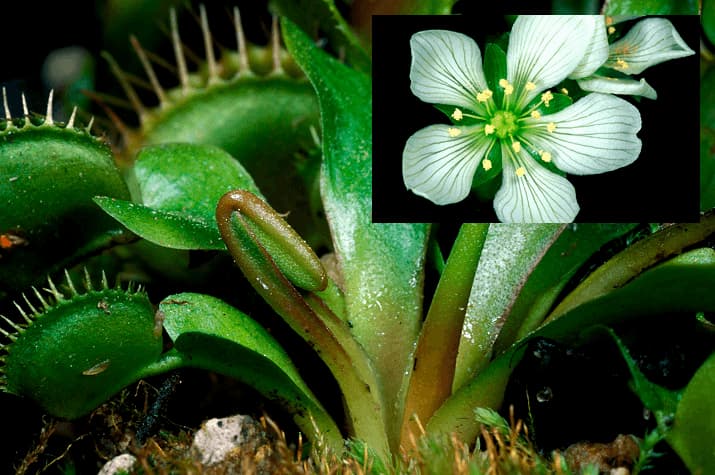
535, 119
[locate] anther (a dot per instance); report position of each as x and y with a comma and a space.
621, 64
547, 97
457, 114
508, 88
611, 30
488, 129
530, 86
516, 146
551, 126
453, 131
521, 171
487, 164
485, 95
565, 91
545, 156
535, 114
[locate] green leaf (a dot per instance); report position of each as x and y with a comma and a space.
187, 179
708, 20
166, 229
693, 431
179, 186
323, 15
681, 284
382, 264
573, 247
511, 253
651, 7
631, 262
213, 335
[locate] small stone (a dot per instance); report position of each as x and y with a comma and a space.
120, 464
219, 438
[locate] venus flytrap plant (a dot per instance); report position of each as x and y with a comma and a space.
502, 284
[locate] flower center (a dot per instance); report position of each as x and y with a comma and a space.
504, 123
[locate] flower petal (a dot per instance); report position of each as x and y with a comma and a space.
439, 166
608, 85
650, 42
545, 49
596, 52
535, 196
446, 68
597, 134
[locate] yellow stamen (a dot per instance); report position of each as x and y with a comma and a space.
545, 156
453, 132
530, 86
488, 129
611, 30
457, 114
487, 164
535, 114
620, 64
485, 95
565, 91
609, 20
508, 88
521, 171
551, 127
516, 146
547, 97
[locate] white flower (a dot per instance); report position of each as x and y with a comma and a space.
650, 42
596, 134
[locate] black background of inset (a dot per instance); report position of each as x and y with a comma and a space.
661, 186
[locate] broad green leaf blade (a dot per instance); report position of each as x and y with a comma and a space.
179, 186
573, 247
693, 431
187, 179
511, 253
708, 19
682, 284
635, 259
215, 336
382, 264
166, 229
495, 69
323, 15
651, 7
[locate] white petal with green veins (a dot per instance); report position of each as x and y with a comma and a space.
650, 42
532, 194
597, 134
439, 165
596, 53
608, 85
545, 49
446, 68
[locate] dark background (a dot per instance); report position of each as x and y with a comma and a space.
662, 185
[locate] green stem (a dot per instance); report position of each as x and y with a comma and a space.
333, 343
434, 362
